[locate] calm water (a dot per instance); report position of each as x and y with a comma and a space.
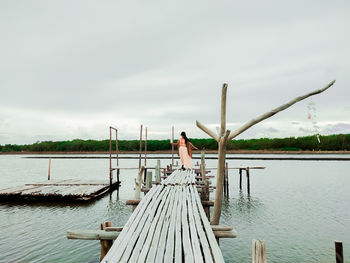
298, 207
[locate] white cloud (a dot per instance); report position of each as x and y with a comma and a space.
70, 70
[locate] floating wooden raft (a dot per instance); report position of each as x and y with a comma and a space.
168, 225
68, 190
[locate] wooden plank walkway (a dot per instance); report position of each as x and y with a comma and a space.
168, 225
68, 190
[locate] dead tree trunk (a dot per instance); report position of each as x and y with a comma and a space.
226, 135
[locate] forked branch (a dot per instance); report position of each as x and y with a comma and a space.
276, 110
207, 131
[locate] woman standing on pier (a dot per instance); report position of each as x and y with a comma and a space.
185, 150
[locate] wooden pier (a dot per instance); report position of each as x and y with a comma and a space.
168, 225
56, 190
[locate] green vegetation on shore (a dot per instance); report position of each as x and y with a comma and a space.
338, 142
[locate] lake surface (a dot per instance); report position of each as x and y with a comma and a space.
298, 207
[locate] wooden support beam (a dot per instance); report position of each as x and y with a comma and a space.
111, 233
259, 251
92, 234
136, 202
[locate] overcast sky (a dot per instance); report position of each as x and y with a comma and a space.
70, 69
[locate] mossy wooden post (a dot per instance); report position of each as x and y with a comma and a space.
259, 251
226, 135
105, 244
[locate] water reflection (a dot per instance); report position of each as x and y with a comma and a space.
244, 205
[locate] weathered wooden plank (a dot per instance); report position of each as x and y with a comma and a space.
178, 228
157, 234
147, 217
148, 231
166, 230
216, 252
202, 236
186, 243
134, 217
170, 242
198, 257
130, 231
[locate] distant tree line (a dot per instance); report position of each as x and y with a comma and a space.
336, 142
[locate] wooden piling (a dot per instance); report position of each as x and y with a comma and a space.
240, 178
226, 187
138, 186
49, 171
110, 157
172, 146
248, 180
149, 180
157, 172
205, 192
117, 153
145, 147
140, 154
259, 251
105, 244
339, 257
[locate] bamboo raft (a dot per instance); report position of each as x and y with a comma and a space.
53, 190
168, 225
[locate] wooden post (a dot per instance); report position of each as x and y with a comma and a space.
205, 191
105, 244
339, 257
110, 158
172, 146
240, 178
140, 147
248, 180
149, 180
259, 251
138, 186
117, 154
157, 172
49, 171
226, 174
146, 147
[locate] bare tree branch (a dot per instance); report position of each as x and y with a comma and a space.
223, 110
207, 131
276, 110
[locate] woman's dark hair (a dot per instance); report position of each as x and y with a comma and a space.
184, 135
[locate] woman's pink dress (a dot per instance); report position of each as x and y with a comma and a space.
186, 160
